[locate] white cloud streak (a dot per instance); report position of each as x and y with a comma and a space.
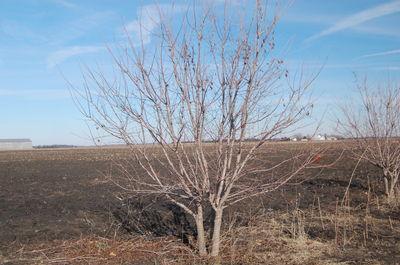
388, 68
385, 53
79, 27
149, 17
327, 19
148, 20
18, 31
65, 3
35, 94
378, 30
359, 18
60, 56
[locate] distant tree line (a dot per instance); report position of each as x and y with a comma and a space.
54, 146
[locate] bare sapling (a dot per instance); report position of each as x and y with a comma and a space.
198, 107
374, 125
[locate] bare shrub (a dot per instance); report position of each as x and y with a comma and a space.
375, 127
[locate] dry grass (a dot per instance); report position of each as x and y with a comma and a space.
269, 241
99, 250
254, 247
267, 238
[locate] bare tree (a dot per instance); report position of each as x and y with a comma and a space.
206, 85
374, 124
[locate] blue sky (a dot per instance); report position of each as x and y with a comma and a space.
42, 42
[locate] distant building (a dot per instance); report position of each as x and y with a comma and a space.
15, 144
318, 138
332, 138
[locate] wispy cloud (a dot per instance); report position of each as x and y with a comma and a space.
329, 19
316, 65
385, 53
387, 68
305, 18
19, 31
59, 56
81, 27
228, 2
359, 18
35, 94
149, 17
65, 3
378, 30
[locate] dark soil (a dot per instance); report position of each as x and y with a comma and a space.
48, 195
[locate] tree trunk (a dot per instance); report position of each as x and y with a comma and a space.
201, 238
390, 188
216, 239
391, 193
386, 186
